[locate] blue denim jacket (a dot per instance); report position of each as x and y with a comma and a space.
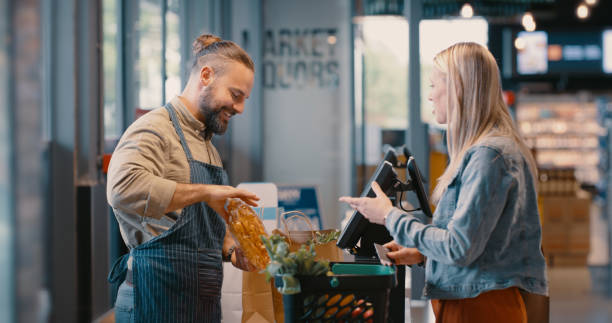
486, 232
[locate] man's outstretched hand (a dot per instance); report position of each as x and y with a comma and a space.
217, 195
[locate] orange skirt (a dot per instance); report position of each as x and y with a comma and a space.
499, 306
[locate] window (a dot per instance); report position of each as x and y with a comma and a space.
173, 55
381, 85
149, 55
158, 57
112, 115
386, 71
150, 50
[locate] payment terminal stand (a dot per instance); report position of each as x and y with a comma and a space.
359, 229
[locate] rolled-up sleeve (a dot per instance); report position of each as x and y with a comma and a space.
135, 183
483, 192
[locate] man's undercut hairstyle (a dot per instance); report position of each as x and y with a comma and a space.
216, 52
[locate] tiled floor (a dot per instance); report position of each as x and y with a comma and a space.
419, 312
571, 300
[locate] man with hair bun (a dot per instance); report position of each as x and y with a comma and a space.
167, 187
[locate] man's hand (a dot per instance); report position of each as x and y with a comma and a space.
403, 255
373, 208
240, 261
213, 195
216, 195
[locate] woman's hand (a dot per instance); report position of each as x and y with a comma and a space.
374, 209
403, 255
240, 261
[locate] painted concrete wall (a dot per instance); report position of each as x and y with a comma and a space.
247, 129
306, 97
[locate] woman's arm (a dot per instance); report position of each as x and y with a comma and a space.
485, 183
483, 192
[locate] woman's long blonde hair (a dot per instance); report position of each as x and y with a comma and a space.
475, 107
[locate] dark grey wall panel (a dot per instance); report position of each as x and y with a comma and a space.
62, 249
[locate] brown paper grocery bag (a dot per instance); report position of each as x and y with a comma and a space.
296, 238
327, 251
257, 303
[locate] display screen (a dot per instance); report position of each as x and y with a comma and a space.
576, 52
532, 55
564, 52
607, 51
358, 225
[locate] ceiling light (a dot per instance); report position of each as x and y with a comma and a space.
331, 40
591, 2
467, 11
519, 43
528, 22
582, 11
527, 17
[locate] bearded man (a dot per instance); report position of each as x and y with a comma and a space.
167, 187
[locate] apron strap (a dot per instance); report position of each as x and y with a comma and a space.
119, 269
179, 130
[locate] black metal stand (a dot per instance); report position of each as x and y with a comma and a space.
397, 304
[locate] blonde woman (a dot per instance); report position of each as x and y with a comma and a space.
484, 244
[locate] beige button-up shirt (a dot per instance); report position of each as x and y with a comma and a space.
145, 167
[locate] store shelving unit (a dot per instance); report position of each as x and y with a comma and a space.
563, 131
564, 134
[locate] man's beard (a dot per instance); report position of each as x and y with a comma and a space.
211, 112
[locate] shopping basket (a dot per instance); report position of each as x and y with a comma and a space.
354, 293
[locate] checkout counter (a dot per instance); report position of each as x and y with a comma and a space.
384, 287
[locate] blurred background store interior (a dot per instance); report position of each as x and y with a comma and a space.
336, 82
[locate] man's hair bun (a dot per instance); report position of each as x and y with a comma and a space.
209, 48
204, 41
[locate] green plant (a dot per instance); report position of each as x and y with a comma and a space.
323, 238
289, 264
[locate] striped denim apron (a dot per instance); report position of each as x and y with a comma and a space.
177, 275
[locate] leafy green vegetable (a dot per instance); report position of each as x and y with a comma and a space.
288, 264
323, 238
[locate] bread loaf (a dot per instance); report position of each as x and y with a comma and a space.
247, 229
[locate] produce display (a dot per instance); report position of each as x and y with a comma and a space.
248, 230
